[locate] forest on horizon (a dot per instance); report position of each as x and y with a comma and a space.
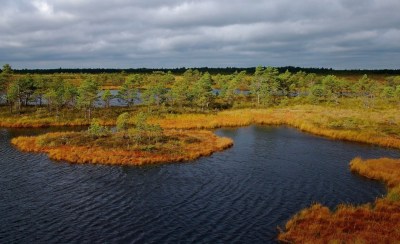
211, 70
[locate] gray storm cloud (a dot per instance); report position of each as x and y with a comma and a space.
146, 33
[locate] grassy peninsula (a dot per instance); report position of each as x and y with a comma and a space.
142, 144
368, 223
79, 147
374, 127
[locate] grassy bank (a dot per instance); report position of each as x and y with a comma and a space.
37, 118
378, 222
79, 147
379, 127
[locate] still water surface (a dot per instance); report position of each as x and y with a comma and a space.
239, 195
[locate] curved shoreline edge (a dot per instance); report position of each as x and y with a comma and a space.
368, 223
311, 119
205, 143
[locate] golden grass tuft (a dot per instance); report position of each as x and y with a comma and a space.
368, 223
76, 148
384, 169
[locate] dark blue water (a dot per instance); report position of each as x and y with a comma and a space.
240, 195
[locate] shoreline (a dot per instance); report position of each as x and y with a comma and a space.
365, 223
311, 119
370, 127
190, 145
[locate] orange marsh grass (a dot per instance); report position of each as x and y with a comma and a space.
369, 223
376, 127
380, 127
189, 145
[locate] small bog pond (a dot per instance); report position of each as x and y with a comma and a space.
239, 195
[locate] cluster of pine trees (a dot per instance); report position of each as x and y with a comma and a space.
194, 89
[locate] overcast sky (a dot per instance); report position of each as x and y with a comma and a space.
214, 33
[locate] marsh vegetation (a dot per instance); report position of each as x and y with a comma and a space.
369, 223
162, 117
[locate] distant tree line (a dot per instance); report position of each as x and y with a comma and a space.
212, 71
194, 89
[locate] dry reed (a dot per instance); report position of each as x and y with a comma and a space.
369, 223
189, 145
